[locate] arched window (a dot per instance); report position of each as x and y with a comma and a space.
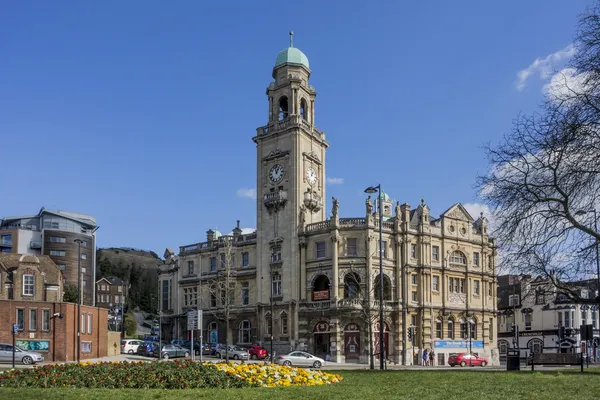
283, 108
387, 288
284, 323
438, 328
458, 257
244, 332
303, 109
321, 288
351, 285
450, 328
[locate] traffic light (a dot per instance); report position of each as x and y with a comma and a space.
410, 333
513, 329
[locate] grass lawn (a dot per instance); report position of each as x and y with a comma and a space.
363, 385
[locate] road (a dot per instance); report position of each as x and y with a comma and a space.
141, 318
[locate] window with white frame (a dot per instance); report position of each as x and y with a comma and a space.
28, 285
435, 253
58, 253
191, 267
320, 249
351, 247
476, 287
284, 323
436, 283
83, 320
33, 319
20, 319
89, 323
276, 285
245, 293
513, 300
45, 320
244, 332
475, 258
458, 257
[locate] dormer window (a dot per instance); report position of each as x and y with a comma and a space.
28, 285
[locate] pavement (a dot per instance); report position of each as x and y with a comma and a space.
328, 366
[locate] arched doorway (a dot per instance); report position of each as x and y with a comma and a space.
386, 334
321, 339
352, 342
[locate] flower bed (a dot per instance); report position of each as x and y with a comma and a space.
163, 375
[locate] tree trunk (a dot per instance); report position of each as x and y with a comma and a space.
371, 350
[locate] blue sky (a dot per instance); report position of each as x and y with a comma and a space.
141, 113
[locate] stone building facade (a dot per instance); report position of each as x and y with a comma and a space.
309, 280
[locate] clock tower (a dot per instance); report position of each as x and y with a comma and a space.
290, 181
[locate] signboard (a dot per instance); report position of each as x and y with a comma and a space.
194, 320
15, 328
321, 295
457, 344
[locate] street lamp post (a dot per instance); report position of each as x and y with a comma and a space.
471, 323
78, 241
371, 190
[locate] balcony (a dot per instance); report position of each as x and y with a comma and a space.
275, 200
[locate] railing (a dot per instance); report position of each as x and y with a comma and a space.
317, 226
386, 225
353, 221
290, 121
214, 243
318, 305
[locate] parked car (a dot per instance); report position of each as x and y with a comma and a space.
233, 352
256, 352
148, 349
172, 351
300, 359
464, 359
215, 348
130, 346
25, 356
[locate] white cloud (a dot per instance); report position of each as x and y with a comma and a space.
335, 181
249, 193
565, 85
543, 66
475, 209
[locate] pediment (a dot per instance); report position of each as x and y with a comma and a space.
458, 212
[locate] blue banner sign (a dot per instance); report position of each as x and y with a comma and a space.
457, 344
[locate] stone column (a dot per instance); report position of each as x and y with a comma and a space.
302, 268
334, 266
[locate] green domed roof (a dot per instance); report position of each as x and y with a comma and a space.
291, 55
384, 196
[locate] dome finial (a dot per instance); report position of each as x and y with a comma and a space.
291, 38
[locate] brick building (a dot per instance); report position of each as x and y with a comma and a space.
31, 293
110, 291
50, 328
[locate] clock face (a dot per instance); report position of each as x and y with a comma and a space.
311, 175
276, 173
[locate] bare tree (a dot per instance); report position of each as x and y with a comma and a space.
545, 175
224, 289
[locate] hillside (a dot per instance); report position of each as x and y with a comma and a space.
138, 267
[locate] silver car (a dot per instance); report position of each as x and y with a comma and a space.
22, 356
300, 359
233, 352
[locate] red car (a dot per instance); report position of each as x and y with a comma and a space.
464, 359
256, 352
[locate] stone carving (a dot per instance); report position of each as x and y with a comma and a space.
336, 207
457, 298
358, 271
369, 206
302, 215
398, 210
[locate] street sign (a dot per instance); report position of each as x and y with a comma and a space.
191, 320
15, 328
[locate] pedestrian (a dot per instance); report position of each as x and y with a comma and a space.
425, 359
431, 358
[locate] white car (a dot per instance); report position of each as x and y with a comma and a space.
300, 359
130, 346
